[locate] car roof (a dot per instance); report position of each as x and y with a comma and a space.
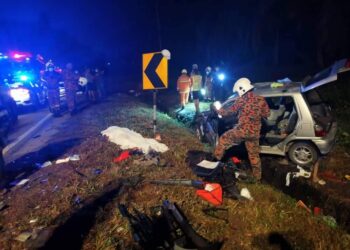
281, 88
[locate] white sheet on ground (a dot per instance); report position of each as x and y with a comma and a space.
208, 164
128, 139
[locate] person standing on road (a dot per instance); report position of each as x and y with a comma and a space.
51, 78
71, 86
183, 86
251, 109
196, 85
91, 85
99, 75
208, 82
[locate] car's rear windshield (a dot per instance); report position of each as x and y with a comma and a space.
320, 110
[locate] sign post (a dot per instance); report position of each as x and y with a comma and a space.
155, 76
154, 112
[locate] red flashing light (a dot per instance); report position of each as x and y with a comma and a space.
19, 56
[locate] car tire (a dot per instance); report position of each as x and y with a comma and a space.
13, 112
302, 153
35, 102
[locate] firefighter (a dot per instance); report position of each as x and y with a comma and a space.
91, 85
251, 109
101, 90
70, 79
208, 83
196, 85
51, 78
183, 86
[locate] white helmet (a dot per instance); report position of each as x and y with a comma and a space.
242, 86
82, 81
208, 69
184, 71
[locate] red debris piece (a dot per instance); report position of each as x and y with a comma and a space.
123, 156
235, 160
211, 193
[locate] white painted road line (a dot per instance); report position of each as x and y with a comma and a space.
26, 134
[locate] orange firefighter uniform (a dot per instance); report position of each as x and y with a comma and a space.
52, 83
183, 86
71, 86
251, 108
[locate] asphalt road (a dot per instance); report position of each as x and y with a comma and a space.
33, 130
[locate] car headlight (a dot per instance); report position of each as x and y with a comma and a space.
217, 105
20, 94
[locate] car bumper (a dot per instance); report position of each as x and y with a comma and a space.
24, 103
325, 144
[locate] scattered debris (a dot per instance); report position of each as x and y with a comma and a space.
46, 164
123, 156
2, 205
211, 193
55, 188
301, 204
127, 139
330, 221
321, 182
97, 171
235, 160
246, 194
120, 229
19, 183
74, 157
76, 200
176, 233
317, 211
33, 221
158, 137
330, 175
208, 164
23, 237
65, 160
300, 173
69, 158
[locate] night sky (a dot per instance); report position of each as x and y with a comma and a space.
261, 39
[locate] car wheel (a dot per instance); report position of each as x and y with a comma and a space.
35, 102
302, 153
41, 100
13, 112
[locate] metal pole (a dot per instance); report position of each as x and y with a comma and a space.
154, 112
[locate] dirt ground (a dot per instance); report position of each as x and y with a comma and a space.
74, 205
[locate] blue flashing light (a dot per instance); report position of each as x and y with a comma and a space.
24, 78
203, 92
221, 77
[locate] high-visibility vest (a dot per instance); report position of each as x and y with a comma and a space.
196, 82
184, 83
